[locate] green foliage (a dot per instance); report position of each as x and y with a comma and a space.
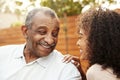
18, 3
69, 7
17, 24
61, 7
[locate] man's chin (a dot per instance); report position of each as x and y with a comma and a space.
45, 53
42, 51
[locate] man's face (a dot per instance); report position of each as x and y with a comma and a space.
43, 36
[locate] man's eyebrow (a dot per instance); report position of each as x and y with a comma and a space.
57, 28
41, 26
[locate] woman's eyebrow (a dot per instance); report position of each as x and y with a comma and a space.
80, 33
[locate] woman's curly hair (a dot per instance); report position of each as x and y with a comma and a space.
103, 29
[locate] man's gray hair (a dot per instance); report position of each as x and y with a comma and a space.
44, 10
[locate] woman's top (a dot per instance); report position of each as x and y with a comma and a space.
96, 72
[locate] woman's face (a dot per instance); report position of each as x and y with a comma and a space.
82, 43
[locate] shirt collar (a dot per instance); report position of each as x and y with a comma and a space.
45, 61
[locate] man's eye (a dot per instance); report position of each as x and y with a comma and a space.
55, 34
41, 32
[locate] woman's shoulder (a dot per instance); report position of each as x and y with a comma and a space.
95, 68
96, 72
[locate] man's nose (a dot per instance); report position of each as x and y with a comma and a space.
49, 39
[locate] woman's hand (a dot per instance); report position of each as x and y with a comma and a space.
73, 59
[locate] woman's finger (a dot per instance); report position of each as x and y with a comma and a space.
66, 58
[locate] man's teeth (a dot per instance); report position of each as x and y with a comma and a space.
46, 46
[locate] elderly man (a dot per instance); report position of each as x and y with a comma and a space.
37, 59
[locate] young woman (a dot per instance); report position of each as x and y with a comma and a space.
99, 41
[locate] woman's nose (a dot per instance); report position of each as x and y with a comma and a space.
78, 43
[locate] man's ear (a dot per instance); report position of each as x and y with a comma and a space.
24, 30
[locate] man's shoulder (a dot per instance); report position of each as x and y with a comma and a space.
59, 60
58, 53
10, 48
62, 67
58, 56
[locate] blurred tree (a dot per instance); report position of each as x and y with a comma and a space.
72, 7
69, 7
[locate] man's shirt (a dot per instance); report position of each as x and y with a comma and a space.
14, 67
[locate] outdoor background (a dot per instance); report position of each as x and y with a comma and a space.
13, 12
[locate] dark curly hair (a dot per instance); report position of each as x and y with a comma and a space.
103, 29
